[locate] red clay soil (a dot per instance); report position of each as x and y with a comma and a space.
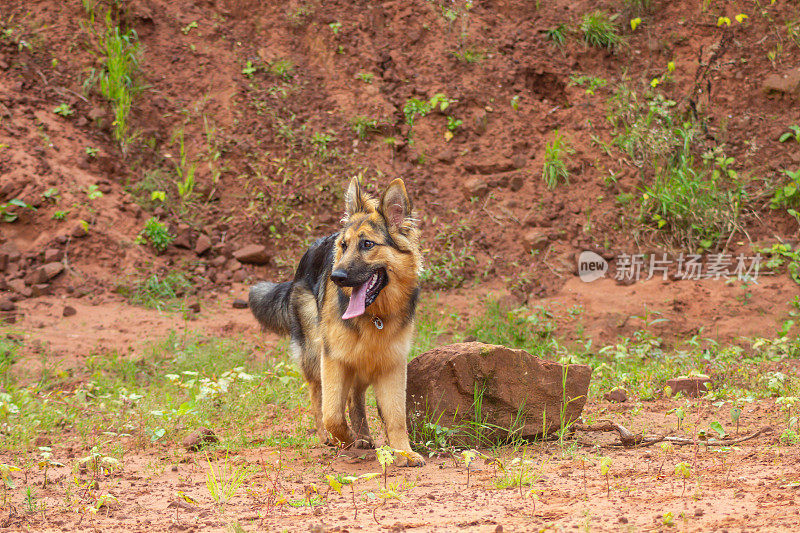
191, 71
262, 179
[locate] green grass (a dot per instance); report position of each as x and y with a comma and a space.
158, 292
117, 79
600, 30
554, 169
698, 201
158, 395
363, 126
468, 55
156, 234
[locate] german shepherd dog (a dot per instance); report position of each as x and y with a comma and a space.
350, 315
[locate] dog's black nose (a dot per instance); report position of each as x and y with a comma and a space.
339, 276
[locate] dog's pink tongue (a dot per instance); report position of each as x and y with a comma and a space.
358, 300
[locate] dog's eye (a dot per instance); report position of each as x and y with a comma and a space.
344, 246
367, 245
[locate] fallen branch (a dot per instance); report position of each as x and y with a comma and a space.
628, 439
626, 436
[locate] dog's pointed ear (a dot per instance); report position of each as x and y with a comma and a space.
396, 205
354, 200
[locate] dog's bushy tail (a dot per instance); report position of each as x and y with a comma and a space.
269, 303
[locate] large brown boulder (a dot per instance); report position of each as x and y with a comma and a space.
518, 395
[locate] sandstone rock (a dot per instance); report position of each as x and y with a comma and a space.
203, 244
233, 265
516, 183
7, 305
692, 386
616, 395
255, 254
69, 311
475, 187
218, 261
517, 390
239, 276
238, 303
519, 160
199, 439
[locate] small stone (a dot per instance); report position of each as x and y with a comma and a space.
786, 83
183, 505
48, 271
616, 395
692, 386
53, 255
238, 303
195, 307
7, 305
447, 156
199, 438
96, 113
218, 261
69, 311
203, 244
79, 231
516, 183
40, 289
233, 265
239, 276
475, 187
480, 122
535, 239
519, 160
183, 237
18, 286
255, 254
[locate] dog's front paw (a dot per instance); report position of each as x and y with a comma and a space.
364, 443
403, 458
